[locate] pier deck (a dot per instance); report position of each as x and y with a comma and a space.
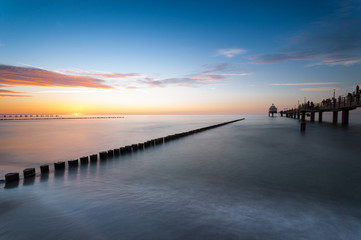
334, 105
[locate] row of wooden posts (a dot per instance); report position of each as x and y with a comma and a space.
60, 166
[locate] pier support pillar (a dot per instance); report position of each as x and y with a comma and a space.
281, 114
298, 115
303, 116
334, 117
319, 116
312, 116
345, 114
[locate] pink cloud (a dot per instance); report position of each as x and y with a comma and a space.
303, 84
9, 93
230, 52
319, 89
101, 74
25, 76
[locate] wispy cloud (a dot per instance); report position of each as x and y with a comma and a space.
9, 93
191, 82
99, 74
28, 76
69, 91
276, 58
211, 74
332, 41
345, 60
225, 68
319, 89
303, 84
230, 52
33, 76
220, 67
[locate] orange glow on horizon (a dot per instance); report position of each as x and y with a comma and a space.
161, 101
52, 106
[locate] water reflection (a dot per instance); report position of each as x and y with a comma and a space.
259, 179
13, 184
59, 173
29, 181
44, 177
72, 174
56, 138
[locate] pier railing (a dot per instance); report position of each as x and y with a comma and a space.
343, 104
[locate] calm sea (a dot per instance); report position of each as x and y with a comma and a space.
260, 178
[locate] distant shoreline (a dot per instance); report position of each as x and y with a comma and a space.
53, 118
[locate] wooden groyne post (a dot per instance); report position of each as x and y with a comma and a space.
104, 155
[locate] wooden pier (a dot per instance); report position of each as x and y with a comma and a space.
334, 105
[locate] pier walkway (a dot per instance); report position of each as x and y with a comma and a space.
334, 105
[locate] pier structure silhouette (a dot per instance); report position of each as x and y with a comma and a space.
340, 104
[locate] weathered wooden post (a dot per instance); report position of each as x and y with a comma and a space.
84, 160
29, 172
94, 158
103, 155
44, 169
10, 177
135, 147
345, 116
59, 165
303, 118
320, 116
128, 149
116, 152
111, 153
73, 163
122, 150
312, 116
334, 117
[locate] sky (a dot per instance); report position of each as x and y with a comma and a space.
175, 57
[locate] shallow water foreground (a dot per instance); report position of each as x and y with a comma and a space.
255, 179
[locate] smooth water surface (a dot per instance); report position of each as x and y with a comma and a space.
30, 143
260, 178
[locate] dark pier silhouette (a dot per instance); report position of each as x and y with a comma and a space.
340, 104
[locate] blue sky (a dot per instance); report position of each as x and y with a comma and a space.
221, 53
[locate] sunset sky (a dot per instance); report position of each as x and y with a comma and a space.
175, 57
